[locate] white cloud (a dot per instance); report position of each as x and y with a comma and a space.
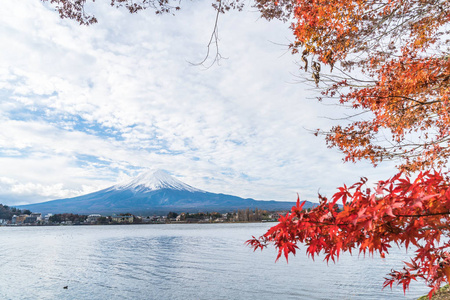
88, 106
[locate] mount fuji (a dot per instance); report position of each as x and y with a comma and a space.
153, 193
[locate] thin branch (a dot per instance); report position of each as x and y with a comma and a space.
214, 40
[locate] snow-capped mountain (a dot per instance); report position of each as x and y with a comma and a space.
153, 193
152, 181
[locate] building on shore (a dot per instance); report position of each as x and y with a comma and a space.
47, 217
38, 216
122, 219
93, 218
30, 220
19, 219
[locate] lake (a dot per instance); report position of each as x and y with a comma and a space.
179, 261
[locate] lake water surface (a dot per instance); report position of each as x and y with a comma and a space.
178, 261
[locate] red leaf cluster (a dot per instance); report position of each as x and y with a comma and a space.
398, 211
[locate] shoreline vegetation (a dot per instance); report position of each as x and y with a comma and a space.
10, 216
442, 294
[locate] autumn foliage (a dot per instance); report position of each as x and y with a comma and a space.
399, 211
76, 9
389, 61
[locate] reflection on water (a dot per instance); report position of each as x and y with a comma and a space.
179, 261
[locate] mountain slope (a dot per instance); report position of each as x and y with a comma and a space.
153, 193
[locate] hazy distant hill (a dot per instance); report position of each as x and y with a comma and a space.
154, 193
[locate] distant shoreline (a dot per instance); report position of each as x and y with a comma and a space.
114, 224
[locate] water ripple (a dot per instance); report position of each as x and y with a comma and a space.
191, 261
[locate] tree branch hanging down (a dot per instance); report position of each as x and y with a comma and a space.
75, 10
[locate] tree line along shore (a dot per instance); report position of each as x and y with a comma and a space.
13, 216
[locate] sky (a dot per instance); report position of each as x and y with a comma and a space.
85, 107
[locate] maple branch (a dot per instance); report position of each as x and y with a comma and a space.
325, 224
347, 117
423, 215
402, 97
214, 39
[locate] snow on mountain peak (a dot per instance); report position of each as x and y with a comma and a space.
155, 180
